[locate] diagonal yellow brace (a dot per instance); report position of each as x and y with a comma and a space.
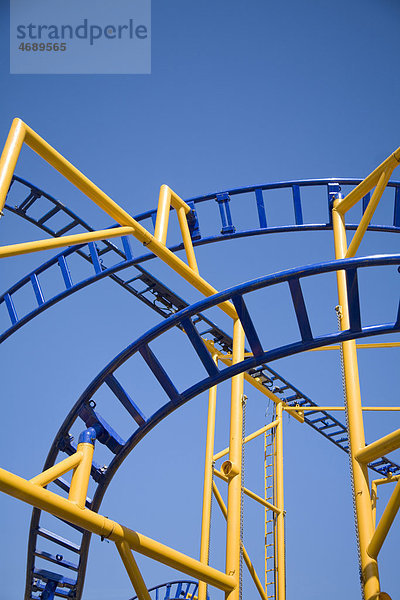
21, 133
377, 449
368, 183
385, 523
246, 557
91, 521
133, 571
57, 470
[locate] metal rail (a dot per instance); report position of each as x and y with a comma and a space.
39, 208
174, 590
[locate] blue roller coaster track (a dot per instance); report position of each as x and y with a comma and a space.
111, 260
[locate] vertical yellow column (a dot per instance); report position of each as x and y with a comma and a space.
280, 519
81, 475
208, 480
362, 498
235, 458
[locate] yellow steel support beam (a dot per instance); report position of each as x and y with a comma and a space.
279, 500
291, 409
369, 212
21, 133
61, 242
81, 475
248, 438
207, 485
362, 498
133, 571
385, 523
359, 346
249, 493
57, 470
167, 199
343, 205
87, 519
246, 557
377, 449
374, 491
233, 524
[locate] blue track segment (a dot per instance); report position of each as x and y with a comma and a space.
321, 421
173, 590
109, 260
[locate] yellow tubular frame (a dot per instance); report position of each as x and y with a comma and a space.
362, 499
95, 523
74, 508
207, 485
20, 133
246, 557
233, 522
133, 571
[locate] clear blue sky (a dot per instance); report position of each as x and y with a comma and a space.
240, 93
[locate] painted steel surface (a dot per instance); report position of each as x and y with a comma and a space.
84, 408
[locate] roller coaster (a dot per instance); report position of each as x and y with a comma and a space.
242, 356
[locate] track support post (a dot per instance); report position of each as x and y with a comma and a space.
234, 516
362, 499
208, 481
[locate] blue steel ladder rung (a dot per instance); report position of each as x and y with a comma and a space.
262, 216
126, 244
353, 299
327, 426
11, 308
95, 257
29, 201
57, 559
298, 213
339, 432
247, 324
223, 200
48, 215
200, 347
68, 227
300, 309
65, 271
58, 539
396, 211
159, 373
37, 289
125, 399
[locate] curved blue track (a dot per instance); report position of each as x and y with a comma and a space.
111, 259
187, 320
